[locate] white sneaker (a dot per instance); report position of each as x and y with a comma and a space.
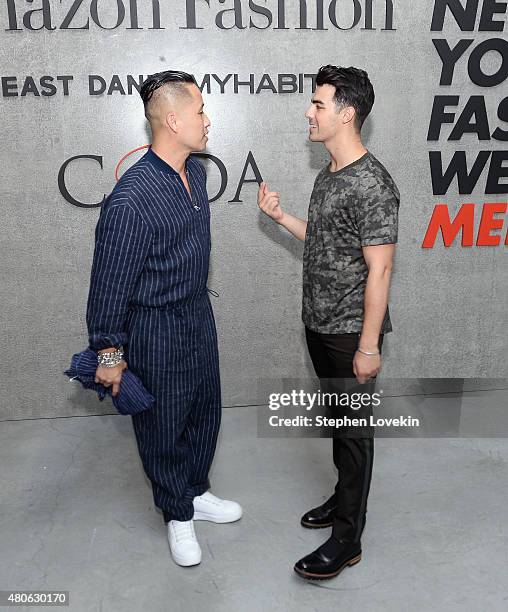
184, 547
208, 507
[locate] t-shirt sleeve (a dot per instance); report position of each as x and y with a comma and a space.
377, 214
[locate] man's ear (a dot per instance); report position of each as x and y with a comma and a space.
172, 121
349, 114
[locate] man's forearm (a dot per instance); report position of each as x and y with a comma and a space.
295, 225
375, 304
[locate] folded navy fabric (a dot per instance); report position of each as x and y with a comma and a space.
132, 396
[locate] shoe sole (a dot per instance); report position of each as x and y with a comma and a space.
202, 516
314, 526
310, 576
182, 563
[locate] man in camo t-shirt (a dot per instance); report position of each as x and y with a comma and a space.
353, 207
350, 238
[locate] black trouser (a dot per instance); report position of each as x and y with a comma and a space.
332, 357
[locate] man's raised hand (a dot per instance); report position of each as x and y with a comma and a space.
269, 203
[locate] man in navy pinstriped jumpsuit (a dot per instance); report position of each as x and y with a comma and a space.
148, 294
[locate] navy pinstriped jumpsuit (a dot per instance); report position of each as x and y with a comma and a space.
148, 293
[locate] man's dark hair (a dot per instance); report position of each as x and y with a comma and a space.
155, 81
352, 88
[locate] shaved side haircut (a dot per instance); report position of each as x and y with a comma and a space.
169, 85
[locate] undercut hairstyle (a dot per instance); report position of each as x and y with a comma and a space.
169, 82
352, 88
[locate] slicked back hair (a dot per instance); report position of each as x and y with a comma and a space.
175, 79
352, 88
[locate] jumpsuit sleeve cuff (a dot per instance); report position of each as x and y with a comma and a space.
97, 343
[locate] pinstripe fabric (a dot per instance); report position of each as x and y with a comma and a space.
132, 397
148, 292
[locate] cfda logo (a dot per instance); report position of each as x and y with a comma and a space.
212, 162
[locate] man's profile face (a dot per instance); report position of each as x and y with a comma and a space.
324, 119
194, 121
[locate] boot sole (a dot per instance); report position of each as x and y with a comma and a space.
314, 526
310, 576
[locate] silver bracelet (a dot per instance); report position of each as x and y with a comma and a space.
110, 359
366, 352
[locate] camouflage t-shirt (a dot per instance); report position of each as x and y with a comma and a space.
353, 207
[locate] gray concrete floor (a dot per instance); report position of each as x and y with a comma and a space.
77, 514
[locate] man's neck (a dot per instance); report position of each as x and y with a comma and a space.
172, 155
343, 153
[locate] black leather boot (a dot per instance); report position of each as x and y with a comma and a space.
322, 516
329, 559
